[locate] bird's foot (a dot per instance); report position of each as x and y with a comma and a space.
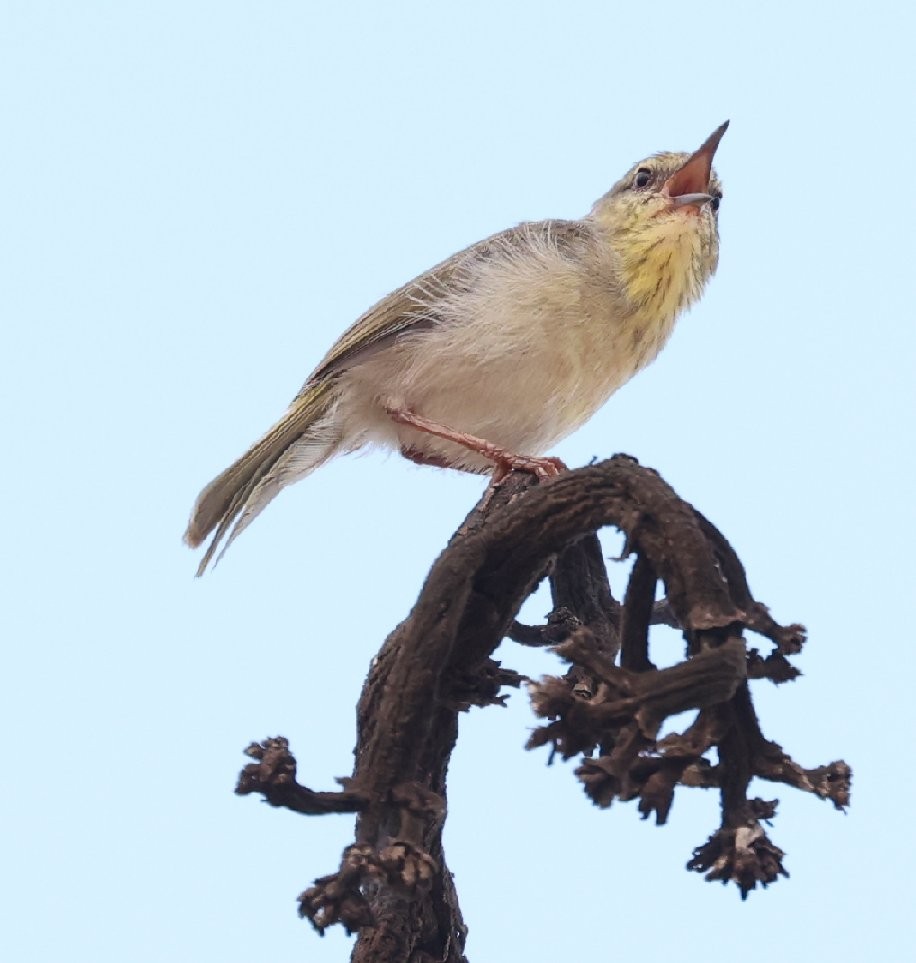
504, 461
546, 467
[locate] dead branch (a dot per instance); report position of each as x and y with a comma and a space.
393, 886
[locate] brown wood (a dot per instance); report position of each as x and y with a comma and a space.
393, 887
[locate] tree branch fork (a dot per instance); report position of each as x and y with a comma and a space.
393, 887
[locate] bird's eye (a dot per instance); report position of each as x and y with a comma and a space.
643, 177
716, 200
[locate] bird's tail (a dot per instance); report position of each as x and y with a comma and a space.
304, 438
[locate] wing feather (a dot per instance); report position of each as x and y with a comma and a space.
413, 306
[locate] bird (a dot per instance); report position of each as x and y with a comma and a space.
488, 359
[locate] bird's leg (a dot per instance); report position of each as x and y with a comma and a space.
423, 458
504, 461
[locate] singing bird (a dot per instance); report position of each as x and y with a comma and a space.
491, 357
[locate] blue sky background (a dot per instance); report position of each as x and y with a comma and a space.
195, 199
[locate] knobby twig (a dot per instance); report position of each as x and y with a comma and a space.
393, 886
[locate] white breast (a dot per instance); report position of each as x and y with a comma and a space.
522, 351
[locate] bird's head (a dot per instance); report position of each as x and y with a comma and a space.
661, 219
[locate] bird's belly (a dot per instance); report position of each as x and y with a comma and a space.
521, 393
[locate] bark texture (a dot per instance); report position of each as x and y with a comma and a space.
393, 887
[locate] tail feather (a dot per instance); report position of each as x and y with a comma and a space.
303, 439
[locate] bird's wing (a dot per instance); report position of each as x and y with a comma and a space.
413, 306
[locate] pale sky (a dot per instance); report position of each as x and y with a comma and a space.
196, 198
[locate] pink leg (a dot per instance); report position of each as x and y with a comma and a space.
422, 458
503, 460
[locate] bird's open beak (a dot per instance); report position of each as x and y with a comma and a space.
689, 184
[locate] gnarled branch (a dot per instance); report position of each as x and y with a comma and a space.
393, 885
